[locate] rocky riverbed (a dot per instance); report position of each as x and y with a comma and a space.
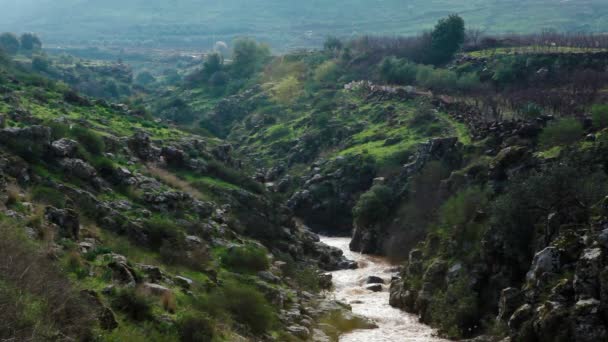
366, 290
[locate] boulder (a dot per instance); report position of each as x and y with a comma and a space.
545, 261
520, 316
586, 276
153, 273
374, 287
325, 281
66, 219
299, 331
155, 289
374, 280
78, 168
588, 324
64, 148
510, 299
141, 145
183, 282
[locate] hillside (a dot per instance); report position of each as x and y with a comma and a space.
467, 178
284, 25
119, 228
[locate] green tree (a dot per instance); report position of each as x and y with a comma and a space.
446, 39
213, 63
9, 43
30, 42
248, 57
145, 78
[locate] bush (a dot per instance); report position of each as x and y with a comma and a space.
48, 196
327, 73
9, 43
599, 113
159, 230
398, 71
135, 305
37, 300
456, 310
248, 57
195, 328
373, 205
562, 132
91, 141
245, 304
225, 173
247, 258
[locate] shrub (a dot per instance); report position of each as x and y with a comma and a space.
398, 71
373, 205
456, 310
91, 141
37, 300
599, 113
287, 90
562, 132
247, 258
135, 305
327, 73
48, 196
245, 304
248, 57
160, 229
195, 328
9, 43
225, 173
462, 208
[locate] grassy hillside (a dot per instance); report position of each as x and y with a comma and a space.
199, 23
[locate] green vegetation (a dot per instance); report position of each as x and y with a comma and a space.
562, 132
372, 205
247, 258
599, 114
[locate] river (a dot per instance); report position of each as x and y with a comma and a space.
394, 325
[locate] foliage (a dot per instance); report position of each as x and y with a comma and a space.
9, 43
373, 205
332, 44
134, 304
446, 39
246, 258
248, 57
37, 300
561, 132
327, 73
213, 64
287, 90
145, 78
48, 196
195, 328
230, 175
40, 64
599, 114
245, 304
455, 310
30, 42
398, 71
91, 141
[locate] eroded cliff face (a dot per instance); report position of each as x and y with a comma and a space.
518, 249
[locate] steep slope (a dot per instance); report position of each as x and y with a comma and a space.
122, 228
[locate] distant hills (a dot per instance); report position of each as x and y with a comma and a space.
284, 24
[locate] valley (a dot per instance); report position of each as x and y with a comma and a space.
443, 186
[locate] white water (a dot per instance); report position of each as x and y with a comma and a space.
394, 325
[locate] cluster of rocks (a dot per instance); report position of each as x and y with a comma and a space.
330, 191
